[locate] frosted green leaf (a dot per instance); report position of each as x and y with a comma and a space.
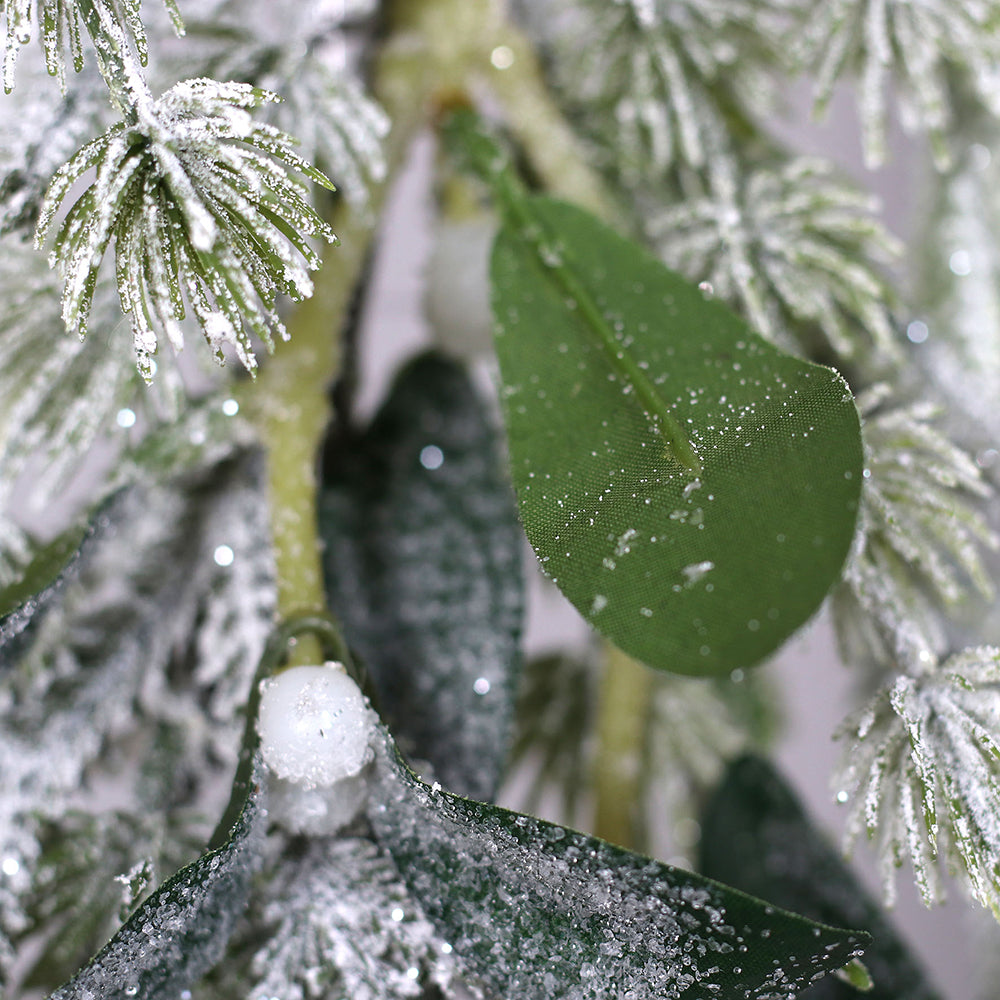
334, 918
205, 214
914, 49
422, 563
533, 909
180, 932
921, 537
757, 837
91, 872
921, 773
797, 252
648, 81
690, 488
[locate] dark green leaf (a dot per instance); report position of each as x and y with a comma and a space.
536, 910
690, 488
756, 836
423, 567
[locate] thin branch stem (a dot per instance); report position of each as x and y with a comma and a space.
624, 703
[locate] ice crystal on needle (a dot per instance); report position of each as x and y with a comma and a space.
201, 205
793, 248
923, 769
920, 539
915, 45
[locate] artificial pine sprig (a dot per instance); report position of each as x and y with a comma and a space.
794, 248
201, 205
59, 21
914, 47
921, 537
644, 77
923, 770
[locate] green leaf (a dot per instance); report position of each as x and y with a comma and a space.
536, 910
423, 567
181, 930
756, 836
690, 488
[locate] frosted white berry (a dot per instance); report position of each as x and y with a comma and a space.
314, 725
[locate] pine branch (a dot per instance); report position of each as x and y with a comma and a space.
647, 81
921, 538
914, 47
200, 204
335, 919
795, 250
922, 769
59, 21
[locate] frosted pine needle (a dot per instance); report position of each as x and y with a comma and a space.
339, 127
60, 24
640, 75
923, 770
912, 46
798, 252
202, 207
920, 541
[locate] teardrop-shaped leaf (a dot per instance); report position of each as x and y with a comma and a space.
423, 567
757, 837
690, 488
536, 910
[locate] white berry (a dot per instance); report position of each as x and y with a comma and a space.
314, 725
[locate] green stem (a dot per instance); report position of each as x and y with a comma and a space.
488, 159
290, 400
624, 702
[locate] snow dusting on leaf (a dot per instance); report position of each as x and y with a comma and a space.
422, 562
534, 909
